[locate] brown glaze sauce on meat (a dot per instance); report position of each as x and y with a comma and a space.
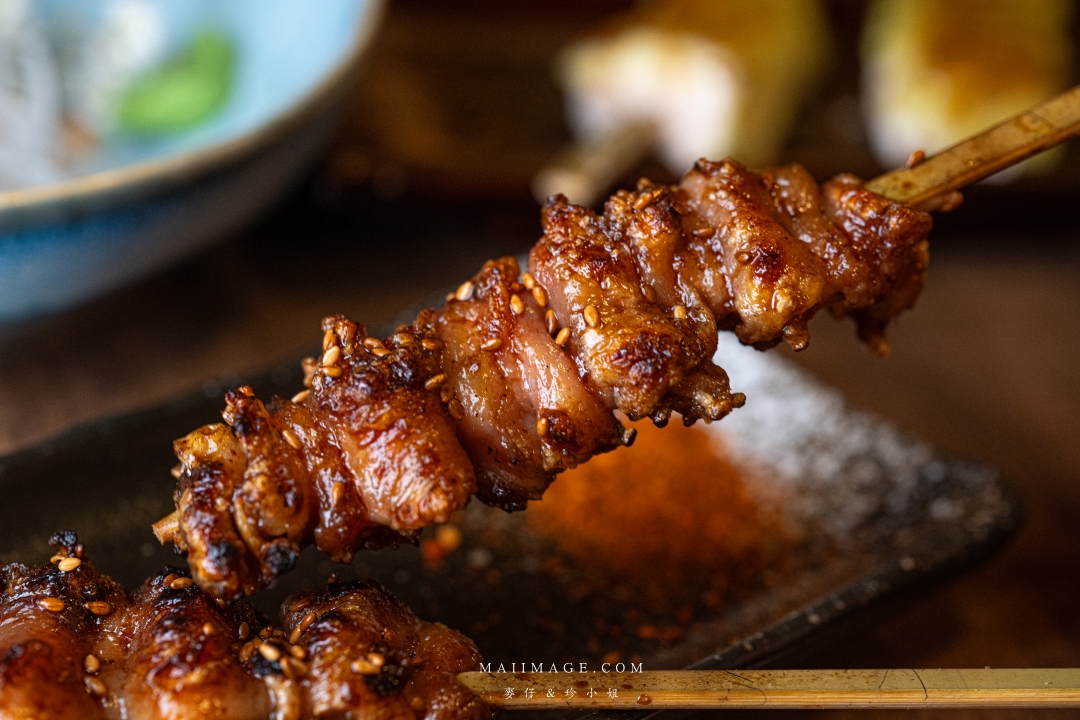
518, 376
74, 644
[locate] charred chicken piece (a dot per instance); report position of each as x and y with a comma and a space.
776, 282
73, 645
890, 239
50, 616
637, 330
524, 412
785, 248
518, 376
365, 649
367, 457
173, 653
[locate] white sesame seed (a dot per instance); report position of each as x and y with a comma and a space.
305, 623
98, 607
332, 355
645, 199
91, 664
68, 564
551, 322
592, 316
290, 437
455, 408
269, 652
364, 667
51, 604
445, 393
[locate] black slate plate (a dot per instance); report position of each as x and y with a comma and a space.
110, 479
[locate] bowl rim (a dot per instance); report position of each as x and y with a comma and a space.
107, 189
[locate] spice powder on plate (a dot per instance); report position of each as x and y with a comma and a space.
671, 511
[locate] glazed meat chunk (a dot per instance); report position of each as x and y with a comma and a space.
368, 655
49, 617
74, 645
366, 458
523, 410
637, 352
521, 375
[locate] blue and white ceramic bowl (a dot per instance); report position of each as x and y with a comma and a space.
150, 203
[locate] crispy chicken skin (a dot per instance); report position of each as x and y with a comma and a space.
523, 410
172, 653
366, 649
891, 239
47, 627
518, 376
169, 651
631, 332
776, 283
366, 458
787, 248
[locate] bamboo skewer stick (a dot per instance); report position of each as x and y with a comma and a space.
166, 528
930, 182
585, 171
779, 689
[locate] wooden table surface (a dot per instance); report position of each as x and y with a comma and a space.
986, 367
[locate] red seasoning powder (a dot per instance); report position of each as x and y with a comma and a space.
671, 509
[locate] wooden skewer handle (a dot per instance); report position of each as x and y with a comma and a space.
165, 528
778, 689
1003, 145
583, 172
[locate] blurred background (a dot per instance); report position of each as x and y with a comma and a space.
186, 190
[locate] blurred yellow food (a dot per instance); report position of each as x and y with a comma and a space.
714, 78
937, 72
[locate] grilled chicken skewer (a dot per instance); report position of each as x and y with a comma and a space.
74, 644
519, 375
516, 378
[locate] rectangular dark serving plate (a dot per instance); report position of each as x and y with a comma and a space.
872, 513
